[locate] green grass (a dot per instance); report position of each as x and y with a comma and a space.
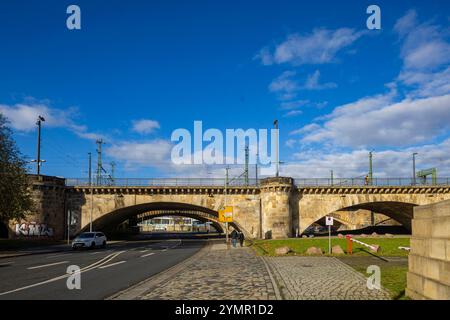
393, 278
388, 246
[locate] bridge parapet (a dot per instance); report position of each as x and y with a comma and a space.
376, 190
153, 190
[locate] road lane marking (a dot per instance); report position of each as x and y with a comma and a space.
85, 269
143, 251
112, 264
148, 254
164, 249
48, 265
5, 264
92, 253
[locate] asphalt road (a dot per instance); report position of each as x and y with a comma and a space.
103, 271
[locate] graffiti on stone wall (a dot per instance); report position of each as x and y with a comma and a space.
33, 229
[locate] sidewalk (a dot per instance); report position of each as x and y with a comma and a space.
214, 273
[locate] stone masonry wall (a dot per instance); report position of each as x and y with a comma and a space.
429, 259
47, 219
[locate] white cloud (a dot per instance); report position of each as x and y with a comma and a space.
306, 129
293, 113
145, 126
387, 163
23, 118
399, 124
313, 82
424, 46
284, 83
155, 153
289, 105
319, 47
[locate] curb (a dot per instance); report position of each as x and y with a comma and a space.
272, 279
137, 291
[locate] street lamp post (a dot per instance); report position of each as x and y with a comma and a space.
414, 167
277, 160
38, 159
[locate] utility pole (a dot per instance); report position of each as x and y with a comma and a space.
113, 167
225, 201
38, 159
99, 143
90, 169
246, 165
277, 160
332, 177
370, 168
414, 167
256, 168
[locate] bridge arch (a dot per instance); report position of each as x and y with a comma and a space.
401, 212
154, 209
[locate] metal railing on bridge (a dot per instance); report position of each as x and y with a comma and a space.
220, 182
378, 182
162, 182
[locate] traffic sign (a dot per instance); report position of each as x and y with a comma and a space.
329, 221
226, 214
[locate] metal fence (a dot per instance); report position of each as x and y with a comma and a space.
381, 182
162, 182
220, 182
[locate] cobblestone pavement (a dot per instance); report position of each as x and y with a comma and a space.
218, 274
320, 278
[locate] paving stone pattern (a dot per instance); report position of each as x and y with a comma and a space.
320, 278
219, 274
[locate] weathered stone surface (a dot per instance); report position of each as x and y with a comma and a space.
282, 250
374, 234
340, 236
429, 259
337, 250
388, 235
314, 251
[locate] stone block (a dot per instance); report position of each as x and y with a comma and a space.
441, 228
421, 228
337, 250
314, 251
282, 250
438, 249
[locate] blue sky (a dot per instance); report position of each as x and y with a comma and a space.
137, 70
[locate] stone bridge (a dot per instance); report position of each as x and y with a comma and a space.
276, 208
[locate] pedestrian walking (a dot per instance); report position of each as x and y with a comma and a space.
234, 237
241, 239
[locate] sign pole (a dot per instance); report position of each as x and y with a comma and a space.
329, 223
329, 239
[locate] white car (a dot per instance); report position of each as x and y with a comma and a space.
89, 240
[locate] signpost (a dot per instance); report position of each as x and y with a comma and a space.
329, 223
226, 215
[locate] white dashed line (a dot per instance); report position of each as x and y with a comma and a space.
148, 254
